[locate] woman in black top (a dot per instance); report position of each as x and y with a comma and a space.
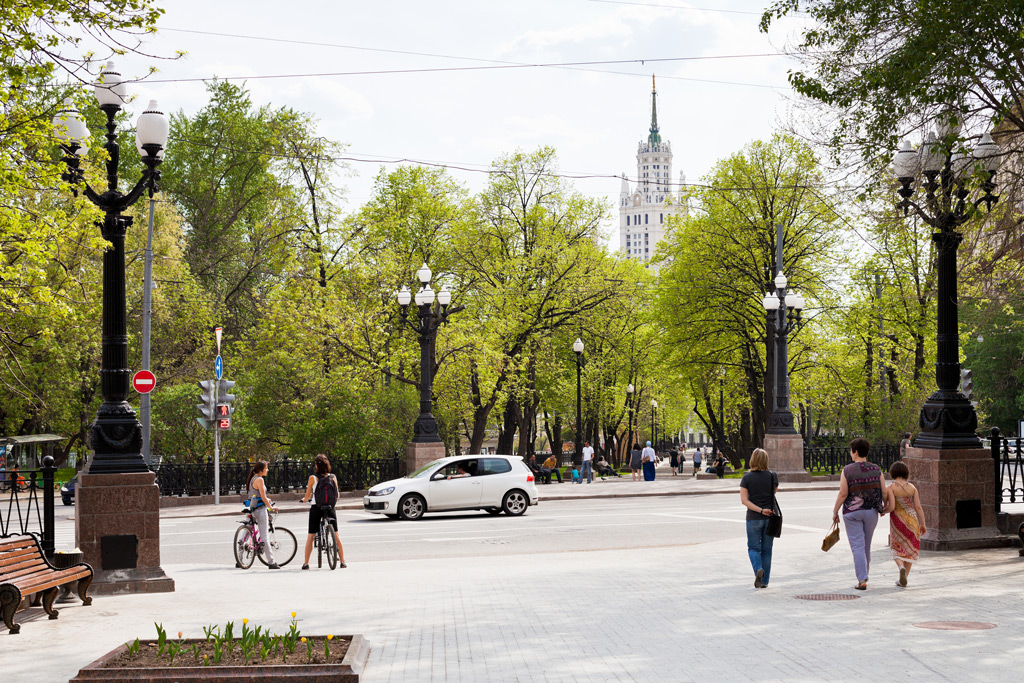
757, 490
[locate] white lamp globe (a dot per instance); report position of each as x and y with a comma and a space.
781, 281
791, 299
425, 296
987, 152
444, 297
932, 157
905, 163
424, 273
577, 346
404, 296
152, 128
110, 88
771, 302
68, 125
654, 404
629, 389
799, 305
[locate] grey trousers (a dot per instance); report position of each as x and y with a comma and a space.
860, 526
260, 515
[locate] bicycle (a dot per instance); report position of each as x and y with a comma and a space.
248, 545
324, 541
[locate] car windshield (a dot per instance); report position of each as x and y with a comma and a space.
422, 472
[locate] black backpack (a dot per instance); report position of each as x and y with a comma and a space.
325, 493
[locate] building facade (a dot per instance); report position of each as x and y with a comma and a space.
646, 206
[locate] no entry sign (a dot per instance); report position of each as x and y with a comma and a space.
143, 381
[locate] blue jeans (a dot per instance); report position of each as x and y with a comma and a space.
860, 526
759, 547
588, 471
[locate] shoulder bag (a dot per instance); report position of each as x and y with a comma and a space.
775, 521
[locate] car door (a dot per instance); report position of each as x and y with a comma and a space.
494, 475
456, 485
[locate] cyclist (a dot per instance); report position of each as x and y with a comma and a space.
323, 487
259, 503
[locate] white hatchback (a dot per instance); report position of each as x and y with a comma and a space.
495, 483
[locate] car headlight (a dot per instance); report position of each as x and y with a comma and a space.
63, 489
383, 492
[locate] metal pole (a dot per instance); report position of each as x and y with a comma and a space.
147, 313
216, 449
48, 524
578, 445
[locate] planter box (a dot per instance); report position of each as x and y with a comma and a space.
348, 670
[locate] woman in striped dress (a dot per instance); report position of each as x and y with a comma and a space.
906, 520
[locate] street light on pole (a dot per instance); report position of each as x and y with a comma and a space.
947, 420
429, 318
783, 310
629, 403
116, 435
577, 347
654, 436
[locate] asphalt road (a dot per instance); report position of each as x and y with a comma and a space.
553, 526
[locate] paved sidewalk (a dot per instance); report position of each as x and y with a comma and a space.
674, 613
664, 484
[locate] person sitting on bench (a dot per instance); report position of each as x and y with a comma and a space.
604, 469
551, 465
539, 474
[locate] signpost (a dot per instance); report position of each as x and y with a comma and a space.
218, 367
143, 381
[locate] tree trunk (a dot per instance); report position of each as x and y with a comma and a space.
507, 429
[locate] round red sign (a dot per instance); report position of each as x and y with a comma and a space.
143, 381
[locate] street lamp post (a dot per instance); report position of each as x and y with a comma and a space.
425, 324
783, 310
947, 420
629, 431
116, 435
577, 346
654, 434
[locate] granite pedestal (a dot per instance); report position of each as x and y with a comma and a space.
786, 456
418, 454
117, 528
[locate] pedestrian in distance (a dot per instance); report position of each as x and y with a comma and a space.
903, 445
648, 458
551, 465
682, 460
906, 520
673, 461
605, 469
259, 503
322, 489
720, 465
539, 473
588, 462
861, 498
635, 461
757, 493
697, 459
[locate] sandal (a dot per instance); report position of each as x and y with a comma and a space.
862, 586
903, 577
305, 566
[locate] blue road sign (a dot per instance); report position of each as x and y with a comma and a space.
219, 367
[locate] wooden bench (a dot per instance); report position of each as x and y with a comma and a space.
24, 571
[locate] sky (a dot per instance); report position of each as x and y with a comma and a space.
710, 104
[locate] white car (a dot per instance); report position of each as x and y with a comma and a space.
494, 483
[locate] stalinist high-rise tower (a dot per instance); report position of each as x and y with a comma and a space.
644, 209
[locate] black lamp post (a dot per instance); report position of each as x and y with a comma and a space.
116, 435
629, 404
654, 433
430, 317
783, 309
577, 457
947, 420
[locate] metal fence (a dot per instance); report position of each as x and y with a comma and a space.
832, 459
354, 473
1009, 468
26, 504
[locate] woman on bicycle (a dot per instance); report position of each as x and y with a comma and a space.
259, 504
318, 511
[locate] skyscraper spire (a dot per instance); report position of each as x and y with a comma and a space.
655, 136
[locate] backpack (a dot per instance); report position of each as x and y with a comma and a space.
325, 493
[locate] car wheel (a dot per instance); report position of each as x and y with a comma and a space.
494, 511
515, 503
66, 501
412, 506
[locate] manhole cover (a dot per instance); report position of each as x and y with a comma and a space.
826, 596
956, 625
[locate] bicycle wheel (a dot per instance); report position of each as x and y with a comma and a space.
282, 541
245, 549
319, 540
332, 548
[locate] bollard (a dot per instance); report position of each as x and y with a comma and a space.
48, 524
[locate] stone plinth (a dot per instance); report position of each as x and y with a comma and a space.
786, 456
957, 491
419, 454
121, 512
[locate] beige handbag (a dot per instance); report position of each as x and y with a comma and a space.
832, 538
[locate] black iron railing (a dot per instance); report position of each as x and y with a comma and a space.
354, 473
26, 504
832, 459
1008, 464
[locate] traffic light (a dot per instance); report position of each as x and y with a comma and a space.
224, 400
967, 384
208, 407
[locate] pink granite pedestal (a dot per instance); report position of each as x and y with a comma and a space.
419, 454
121, 510
786, 456
957, 490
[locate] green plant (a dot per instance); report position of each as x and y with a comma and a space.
133, 649
161, 638
309, 650
173, 649
196, 649
217, 651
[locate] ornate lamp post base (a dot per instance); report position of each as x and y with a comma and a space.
786, 456
115, 437
948, 421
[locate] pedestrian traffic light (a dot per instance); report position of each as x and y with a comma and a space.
967, 384
208, 407
224, 400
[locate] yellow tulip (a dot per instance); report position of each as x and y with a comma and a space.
245, 621
329, 636
303, 639
293, 615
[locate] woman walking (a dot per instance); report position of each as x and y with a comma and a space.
634, 461
861, 497
906, 521
260, 503
323, 487
757, 493
696, 461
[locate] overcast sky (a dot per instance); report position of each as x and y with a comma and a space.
592, 115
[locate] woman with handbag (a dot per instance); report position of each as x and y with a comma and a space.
757, 493
862, 498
